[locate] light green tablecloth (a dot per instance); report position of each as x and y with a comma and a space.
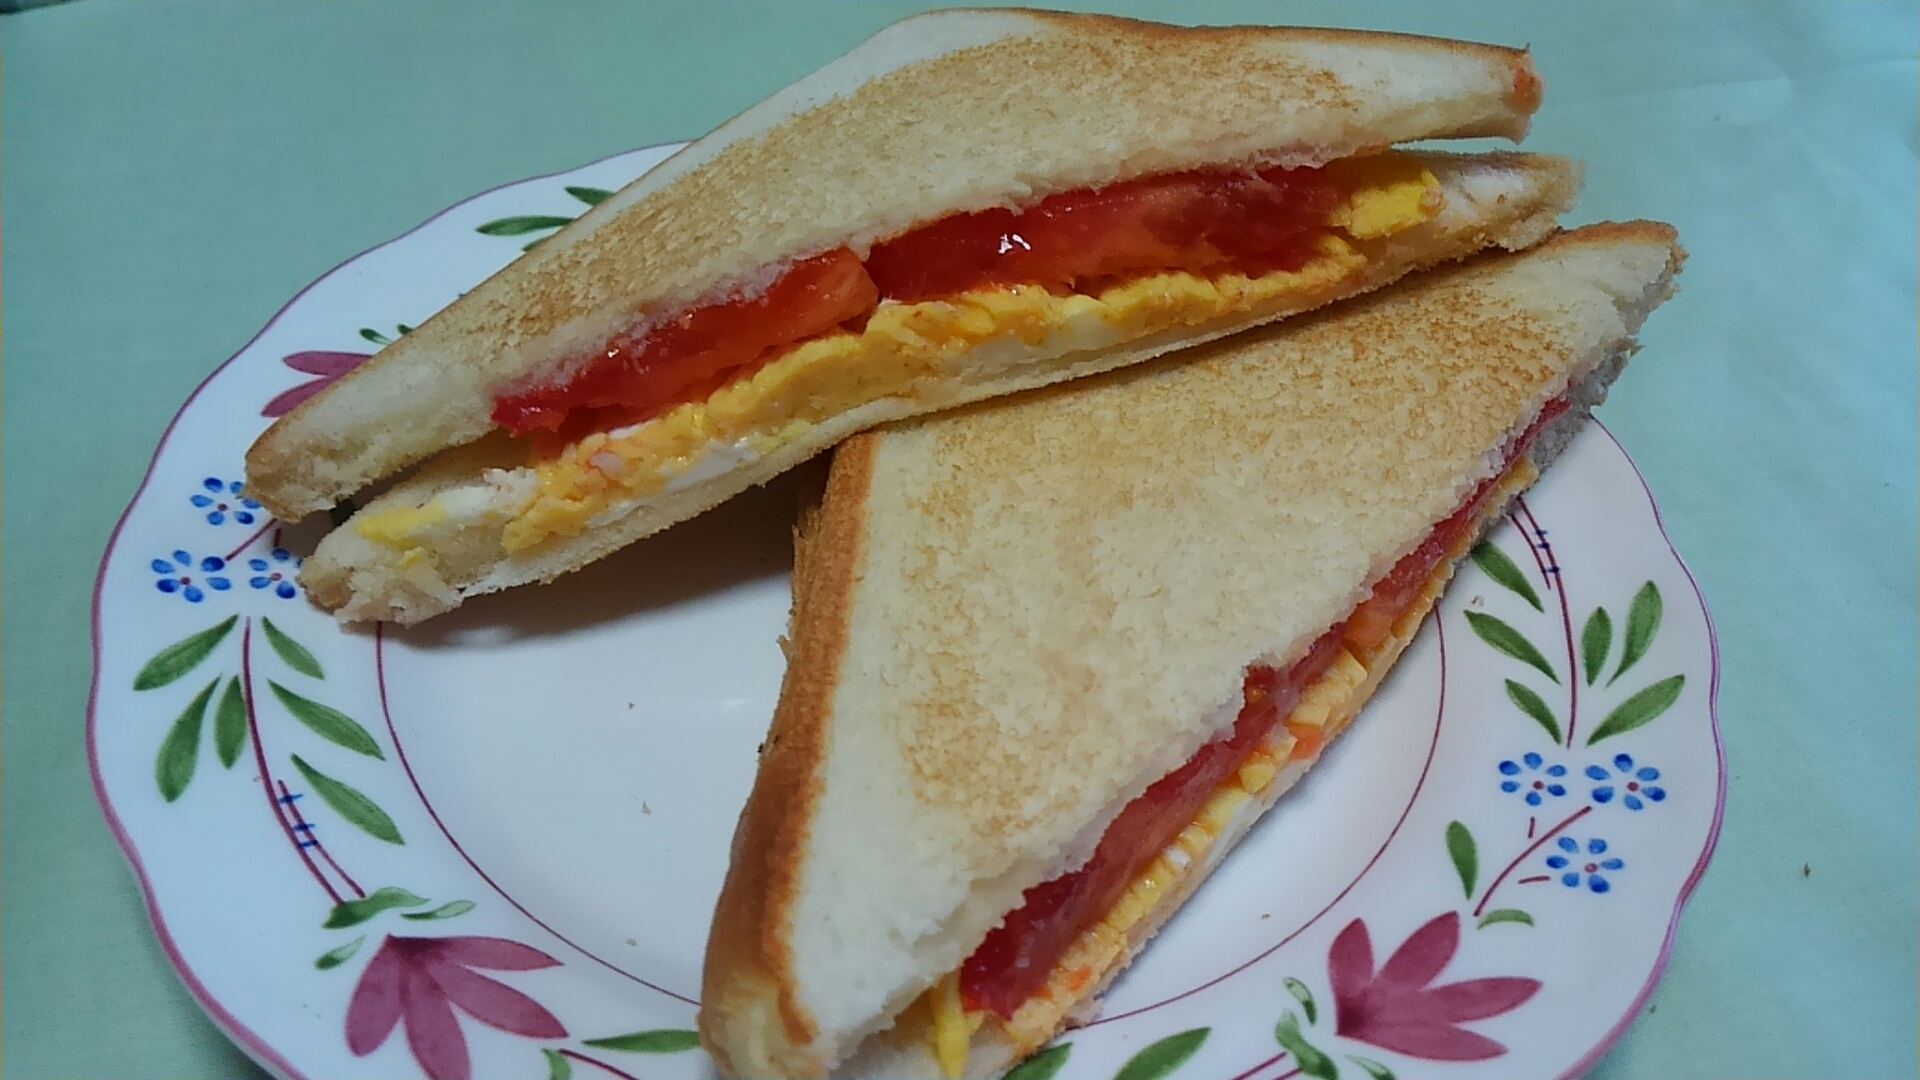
173, 172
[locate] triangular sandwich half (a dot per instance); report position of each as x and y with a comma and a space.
969, 204
1050, 657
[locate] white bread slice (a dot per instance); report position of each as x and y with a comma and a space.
1010, 620
1506, 200
940, 113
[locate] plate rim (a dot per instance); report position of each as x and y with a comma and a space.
1659, 969
276, 1063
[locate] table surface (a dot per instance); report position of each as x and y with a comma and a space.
173, 172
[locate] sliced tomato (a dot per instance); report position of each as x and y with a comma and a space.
1200, 220
641, 375
1372, 622
1017, 957
1251, 221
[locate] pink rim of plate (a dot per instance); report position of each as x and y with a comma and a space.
271, 1060
1592, 1057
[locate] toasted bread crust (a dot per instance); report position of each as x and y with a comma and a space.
942, 113
749, 969
1525, 91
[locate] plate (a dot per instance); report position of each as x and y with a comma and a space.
488, 847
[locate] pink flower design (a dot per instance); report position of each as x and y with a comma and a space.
329, 366
1396, 1008
420, 980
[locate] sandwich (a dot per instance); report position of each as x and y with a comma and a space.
1050, 657
969, 204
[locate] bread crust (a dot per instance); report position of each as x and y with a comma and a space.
1525, 92
941, 113
748, 976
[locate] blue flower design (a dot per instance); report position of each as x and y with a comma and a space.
177, 575
1635, 787
1569, 862
1544, 781
222, 500
275, 573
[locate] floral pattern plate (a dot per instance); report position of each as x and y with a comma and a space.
488, 847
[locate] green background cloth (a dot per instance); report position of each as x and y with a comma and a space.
174, 172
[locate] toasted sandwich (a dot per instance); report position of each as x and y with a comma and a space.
1051, 656
969, 204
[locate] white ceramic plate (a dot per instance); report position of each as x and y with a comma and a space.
489, 847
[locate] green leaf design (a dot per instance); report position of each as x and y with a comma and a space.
182, 656
1304, 996
354, 912
592, 196
517, 226
403, 328
1371, 1067
657, 1041
445, 911
230, 724
1305, 1055
294, 653
1510, 641
1163, 1057
327, 722
1643, 621
1532, 704
173, 768
1596, 641
1640, 709
333, 958
1465, 854
531, 244
558, 1067
350, 804
1042, 1065
1505, 914
1488, 556
375, 336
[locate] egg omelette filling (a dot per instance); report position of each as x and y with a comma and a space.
944, 315
1329, 686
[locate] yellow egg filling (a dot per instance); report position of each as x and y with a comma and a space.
906, 350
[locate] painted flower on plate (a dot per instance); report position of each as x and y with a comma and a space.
181, 575
275, 572
1594, 864
1532, 776
1397, 1008
417, 982
1634, 786
222, 500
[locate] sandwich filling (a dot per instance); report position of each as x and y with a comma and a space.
1068, 933
734, 380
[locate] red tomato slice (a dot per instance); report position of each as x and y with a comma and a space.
1372, 622
641, 376
1205, 219
1190, 221
1017, 957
